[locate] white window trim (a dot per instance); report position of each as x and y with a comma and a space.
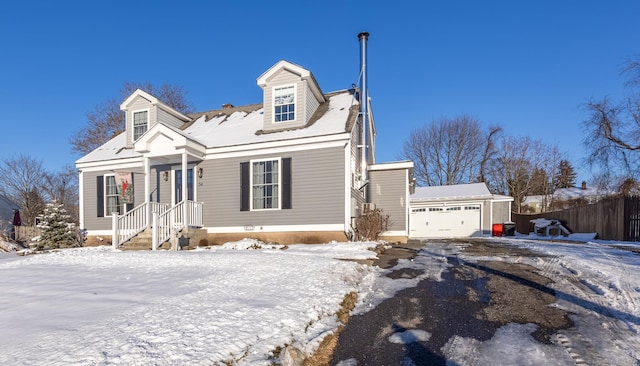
295, 104
104, 196
133, 126
251, 162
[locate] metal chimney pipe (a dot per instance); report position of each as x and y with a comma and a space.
364, 104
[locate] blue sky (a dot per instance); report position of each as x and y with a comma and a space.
525, 65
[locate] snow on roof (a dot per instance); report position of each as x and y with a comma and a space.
112, 149
564, 194
457, 191
243, 126
576, 192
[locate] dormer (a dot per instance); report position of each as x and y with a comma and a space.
291, 96
143, 111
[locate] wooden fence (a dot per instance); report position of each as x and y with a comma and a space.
26, 233
615, 218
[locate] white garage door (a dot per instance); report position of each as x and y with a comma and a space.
445, 221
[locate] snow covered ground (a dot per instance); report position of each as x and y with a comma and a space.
91, 306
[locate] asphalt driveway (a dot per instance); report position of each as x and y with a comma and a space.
472, 299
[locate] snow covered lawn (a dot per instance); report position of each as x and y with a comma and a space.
100, 306
91, 306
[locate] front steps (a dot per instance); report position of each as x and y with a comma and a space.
188, 238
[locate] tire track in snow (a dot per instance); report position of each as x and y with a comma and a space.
554, 269
548, 266
579, 348
624, 292
590, 297
565, 342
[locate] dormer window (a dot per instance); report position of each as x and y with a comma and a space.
284, 101
140, 123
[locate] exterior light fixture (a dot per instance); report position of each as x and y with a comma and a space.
199, 172
165, 176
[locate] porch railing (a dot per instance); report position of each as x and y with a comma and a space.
182, 215
134, 222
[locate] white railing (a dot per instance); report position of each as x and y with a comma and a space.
182, 215
133, 222
156, 207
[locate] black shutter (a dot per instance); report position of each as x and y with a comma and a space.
286, 183
244, 186
100, 195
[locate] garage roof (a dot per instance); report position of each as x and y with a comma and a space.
452, 192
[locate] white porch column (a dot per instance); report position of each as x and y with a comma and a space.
154, 232
147, 189
185, 193
114, 226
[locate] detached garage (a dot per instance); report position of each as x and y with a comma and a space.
456, 211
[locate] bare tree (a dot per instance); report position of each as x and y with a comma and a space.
550, 161
450, 151
62, 187
525, 166
489, 156
613, 129
21, 180
106, 120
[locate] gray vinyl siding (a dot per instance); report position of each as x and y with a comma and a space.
486, 217
138, 104
168, 118
355, 168
317, 191
501, 212
89, 188
268, 107
284, 77
160, 190
312, 103
389, 193
355, 150
138, 187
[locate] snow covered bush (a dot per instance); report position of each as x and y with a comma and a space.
57, 231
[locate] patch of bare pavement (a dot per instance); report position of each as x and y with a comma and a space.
471, 300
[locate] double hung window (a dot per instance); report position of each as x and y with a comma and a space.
140, 123
265, 185
111, 196
284, 104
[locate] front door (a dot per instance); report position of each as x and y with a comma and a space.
178, 185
